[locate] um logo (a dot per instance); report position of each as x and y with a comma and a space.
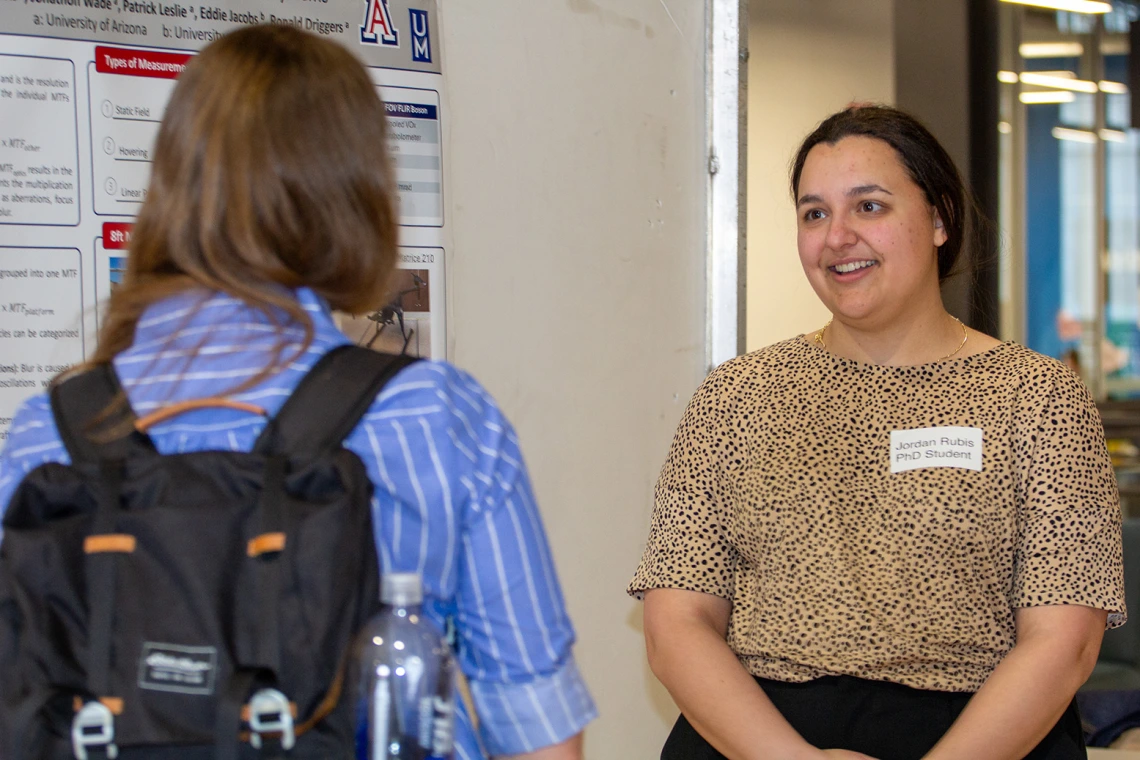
378, 28
421, 36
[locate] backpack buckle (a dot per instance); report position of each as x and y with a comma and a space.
270, 713
93, 727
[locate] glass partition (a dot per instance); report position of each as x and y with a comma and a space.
1069, 184
1070, 171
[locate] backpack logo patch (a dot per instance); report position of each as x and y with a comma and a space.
170, 667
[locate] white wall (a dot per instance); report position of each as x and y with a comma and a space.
809, 58
577, 182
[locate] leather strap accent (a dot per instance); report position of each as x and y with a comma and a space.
265, 543
120, 543
114, 704
327, 705
145, 423
324, 709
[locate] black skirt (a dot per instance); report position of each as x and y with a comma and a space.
884, 720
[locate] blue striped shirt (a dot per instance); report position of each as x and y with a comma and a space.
452, 502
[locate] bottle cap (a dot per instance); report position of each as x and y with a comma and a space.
401, 589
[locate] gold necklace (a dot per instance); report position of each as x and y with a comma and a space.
965, 337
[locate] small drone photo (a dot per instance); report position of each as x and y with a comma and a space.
402, 325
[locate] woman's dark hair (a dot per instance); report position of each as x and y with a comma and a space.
925, 160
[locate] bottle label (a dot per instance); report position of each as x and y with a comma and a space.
437, 727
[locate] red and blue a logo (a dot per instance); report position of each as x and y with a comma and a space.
378, 28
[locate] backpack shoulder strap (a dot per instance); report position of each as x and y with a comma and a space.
329, 402
94, 417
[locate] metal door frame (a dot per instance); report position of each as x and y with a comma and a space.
727, 75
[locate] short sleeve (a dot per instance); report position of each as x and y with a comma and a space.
1069, 532
689, 544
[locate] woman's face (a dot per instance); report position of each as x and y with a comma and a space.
867, 235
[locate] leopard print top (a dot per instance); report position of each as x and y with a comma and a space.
778, 495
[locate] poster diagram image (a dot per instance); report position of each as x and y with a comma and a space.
111, 249
410, 320
403, 323
118, 267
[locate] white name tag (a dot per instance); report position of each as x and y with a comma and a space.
936, 447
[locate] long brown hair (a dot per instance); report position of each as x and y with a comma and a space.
271, 172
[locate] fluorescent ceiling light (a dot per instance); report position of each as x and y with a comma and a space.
1113, 135
1075, 6
1051, 50
1075, 135
1050, 79
1007, 77
1113, 88
1047, 96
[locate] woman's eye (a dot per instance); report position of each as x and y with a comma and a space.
870, 206
813, 215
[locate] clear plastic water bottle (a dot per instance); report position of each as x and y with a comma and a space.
406, 680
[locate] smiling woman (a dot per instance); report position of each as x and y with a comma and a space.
883, 216
895, 537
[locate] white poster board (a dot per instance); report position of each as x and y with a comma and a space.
83, 88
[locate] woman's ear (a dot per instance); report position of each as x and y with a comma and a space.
940, 236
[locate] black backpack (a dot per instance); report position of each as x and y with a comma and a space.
197, 605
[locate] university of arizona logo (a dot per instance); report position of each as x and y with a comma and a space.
378, 28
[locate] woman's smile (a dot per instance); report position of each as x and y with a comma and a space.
851, 270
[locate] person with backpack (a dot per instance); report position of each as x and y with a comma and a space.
197, 518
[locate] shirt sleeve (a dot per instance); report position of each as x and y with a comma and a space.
690, 544
514, 630
32, 440
457, 506
1069, 538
